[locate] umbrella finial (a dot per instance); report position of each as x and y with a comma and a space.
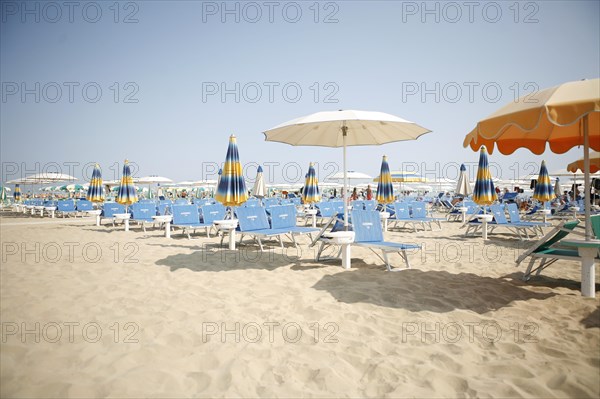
126, 161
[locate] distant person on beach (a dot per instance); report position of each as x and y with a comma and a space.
354, 195
369, 193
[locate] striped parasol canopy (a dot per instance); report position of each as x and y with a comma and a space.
127, 193
484, 193
310, 193
463, 187
95, 191
17, 193
543, 188
260, 189
385, 189
232, 187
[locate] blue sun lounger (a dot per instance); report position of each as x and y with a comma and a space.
515, 218
142, 213
209, 213
110, 209
283, 217
66, 208
253, 222
369, 234
186, 217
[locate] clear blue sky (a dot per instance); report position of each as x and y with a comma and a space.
369, 55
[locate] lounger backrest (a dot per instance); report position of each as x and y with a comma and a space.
325, 209
370, 205
367, 226
499, 215
338, 206
283, 216
164, 208
270, 201
595, 222
513, 213
212, 212
185, 215
402, 211
565, 230
181, 201
252, 202
358, 205
84, 205
66, 205
110, 208
143, 211
419, 210
252, 218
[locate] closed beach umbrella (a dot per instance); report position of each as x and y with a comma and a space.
3, 194
260, 189
310, 193
385, 190
232, 187
219, 177
463, 187
127, 193
543, 188
557, 190
484, 193
17, 193
95, 191
564, 116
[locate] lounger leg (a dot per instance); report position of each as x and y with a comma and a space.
260, 244
387, 260
294, 240
281, 241
320, 251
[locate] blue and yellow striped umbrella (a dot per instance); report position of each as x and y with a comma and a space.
17, 193
543, 187
310, 192
232, 187
484, 193
127, 194
385, 189
95, 191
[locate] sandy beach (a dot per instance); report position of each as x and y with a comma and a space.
96, 311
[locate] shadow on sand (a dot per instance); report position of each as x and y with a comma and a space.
417, 290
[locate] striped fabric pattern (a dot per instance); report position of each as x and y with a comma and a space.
232, 187
127, 193
484, 193
385, 189
310, 193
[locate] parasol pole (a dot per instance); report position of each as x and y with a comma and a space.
586, 178
344, 193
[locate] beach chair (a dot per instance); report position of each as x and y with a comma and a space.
209, 213
181, 201
500, 220
66, 208
186, 217
253, 222
142, 213
509, 197
369, 233
547, 249
515, 218
283, 217
325, 211
110, 209
419, 211
83, 206
402, 215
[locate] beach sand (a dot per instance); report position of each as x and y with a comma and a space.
96, 311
